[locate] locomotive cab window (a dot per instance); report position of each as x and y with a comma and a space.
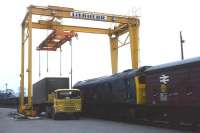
142, 79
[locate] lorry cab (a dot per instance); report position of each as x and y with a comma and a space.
66, 101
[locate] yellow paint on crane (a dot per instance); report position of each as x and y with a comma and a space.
126, 24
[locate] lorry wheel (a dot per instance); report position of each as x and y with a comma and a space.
77, 116
54, 115
48, 112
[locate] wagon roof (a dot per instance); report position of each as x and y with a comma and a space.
173, 64
125, 74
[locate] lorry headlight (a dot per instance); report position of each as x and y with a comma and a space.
78, 108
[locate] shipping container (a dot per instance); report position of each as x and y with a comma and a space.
42, 88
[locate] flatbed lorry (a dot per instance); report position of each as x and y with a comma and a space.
53, 96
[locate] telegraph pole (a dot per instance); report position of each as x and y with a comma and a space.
182, 41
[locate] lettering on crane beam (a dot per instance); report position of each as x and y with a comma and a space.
88, 15
164, 79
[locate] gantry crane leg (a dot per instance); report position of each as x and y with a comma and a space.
134, 44
29, 109
21, 106
114, 53
26, 109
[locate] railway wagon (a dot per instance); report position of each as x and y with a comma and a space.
173, 91
9, 102
167, 93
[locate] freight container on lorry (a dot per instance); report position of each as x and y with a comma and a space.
53, 96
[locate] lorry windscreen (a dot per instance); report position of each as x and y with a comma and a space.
68, 94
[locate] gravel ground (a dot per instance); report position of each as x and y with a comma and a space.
84, 125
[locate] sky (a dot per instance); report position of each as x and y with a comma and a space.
161, 22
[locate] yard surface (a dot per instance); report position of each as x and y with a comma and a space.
84, 125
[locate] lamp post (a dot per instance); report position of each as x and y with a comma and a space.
182, 41
6, 87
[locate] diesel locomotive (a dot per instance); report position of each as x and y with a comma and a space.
168, 93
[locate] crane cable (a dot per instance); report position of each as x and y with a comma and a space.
39, 57
47, 61
39, 65
60, 62
47, 57
70, 43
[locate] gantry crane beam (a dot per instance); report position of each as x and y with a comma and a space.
120, 30
64, 12
46, 25
126, 24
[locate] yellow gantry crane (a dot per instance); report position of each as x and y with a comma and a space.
126, 24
